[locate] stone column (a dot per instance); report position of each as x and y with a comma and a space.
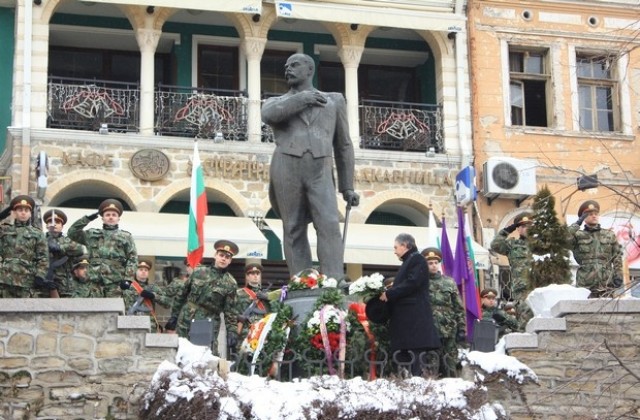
253, 48
350, 56
148, 42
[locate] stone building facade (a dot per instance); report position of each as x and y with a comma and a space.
554, 98
169, 75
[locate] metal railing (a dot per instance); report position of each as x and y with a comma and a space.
87, 104
201, 113
222, 115
369, 365
401, 126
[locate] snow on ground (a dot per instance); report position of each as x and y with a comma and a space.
195, 371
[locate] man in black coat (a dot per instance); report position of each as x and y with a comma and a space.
412, 329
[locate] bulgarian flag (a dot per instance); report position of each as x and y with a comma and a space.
197, 211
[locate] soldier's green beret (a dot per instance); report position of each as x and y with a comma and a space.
58, 215
111, 204
589, 205
226, 246
432, 253
22, 201
523, 219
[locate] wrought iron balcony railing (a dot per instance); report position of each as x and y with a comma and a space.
201, 113
83, 104
86, 104
401, 126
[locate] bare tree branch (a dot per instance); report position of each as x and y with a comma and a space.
622, 365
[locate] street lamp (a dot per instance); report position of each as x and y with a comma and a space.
587, 182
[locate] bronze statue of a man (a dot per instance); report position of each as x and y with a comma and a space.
310, 129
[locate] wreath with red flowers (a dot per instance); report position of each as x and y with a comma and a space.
310, 279
364, 342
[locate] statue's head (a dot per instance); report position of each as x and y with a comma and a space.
299, 70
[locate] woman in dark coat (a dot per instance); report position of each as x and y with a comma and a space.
411, 328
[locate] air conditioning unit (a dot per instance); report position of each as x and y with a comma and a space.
509, 178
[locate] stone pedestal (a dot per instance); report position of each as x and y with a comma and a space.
302, 302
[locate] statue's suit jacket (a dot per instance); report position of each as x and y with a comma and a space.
322, 131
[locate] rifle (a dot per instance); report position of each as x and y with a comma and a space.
138, 305
246, 315
49, 277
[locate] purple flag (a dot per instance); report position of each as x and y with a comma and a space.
445, 248
464, 275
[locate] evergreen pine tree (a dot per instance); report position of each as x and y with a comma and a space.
547, 241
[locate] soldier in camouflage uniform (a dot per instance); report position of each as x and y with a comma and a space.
251, 295
519, 254
520, 260
490, 311
175, 287
208, 292
24, 257
150, 292
80, 284
112, 252
597, 251
61, 250
448, 313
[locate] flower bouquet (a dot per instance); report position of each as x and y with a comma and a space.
310, 279
368, 287
266, 341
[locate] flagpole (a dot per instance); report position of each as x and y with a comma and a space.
431, 229
462, 284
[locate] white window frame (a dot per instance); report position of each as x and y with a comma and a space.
622, 105
554, 89
221, 41
550, 94
234, 42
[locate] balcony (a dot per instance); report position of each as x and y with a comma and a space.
86, 104
82, 104
401, 126
201, 113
